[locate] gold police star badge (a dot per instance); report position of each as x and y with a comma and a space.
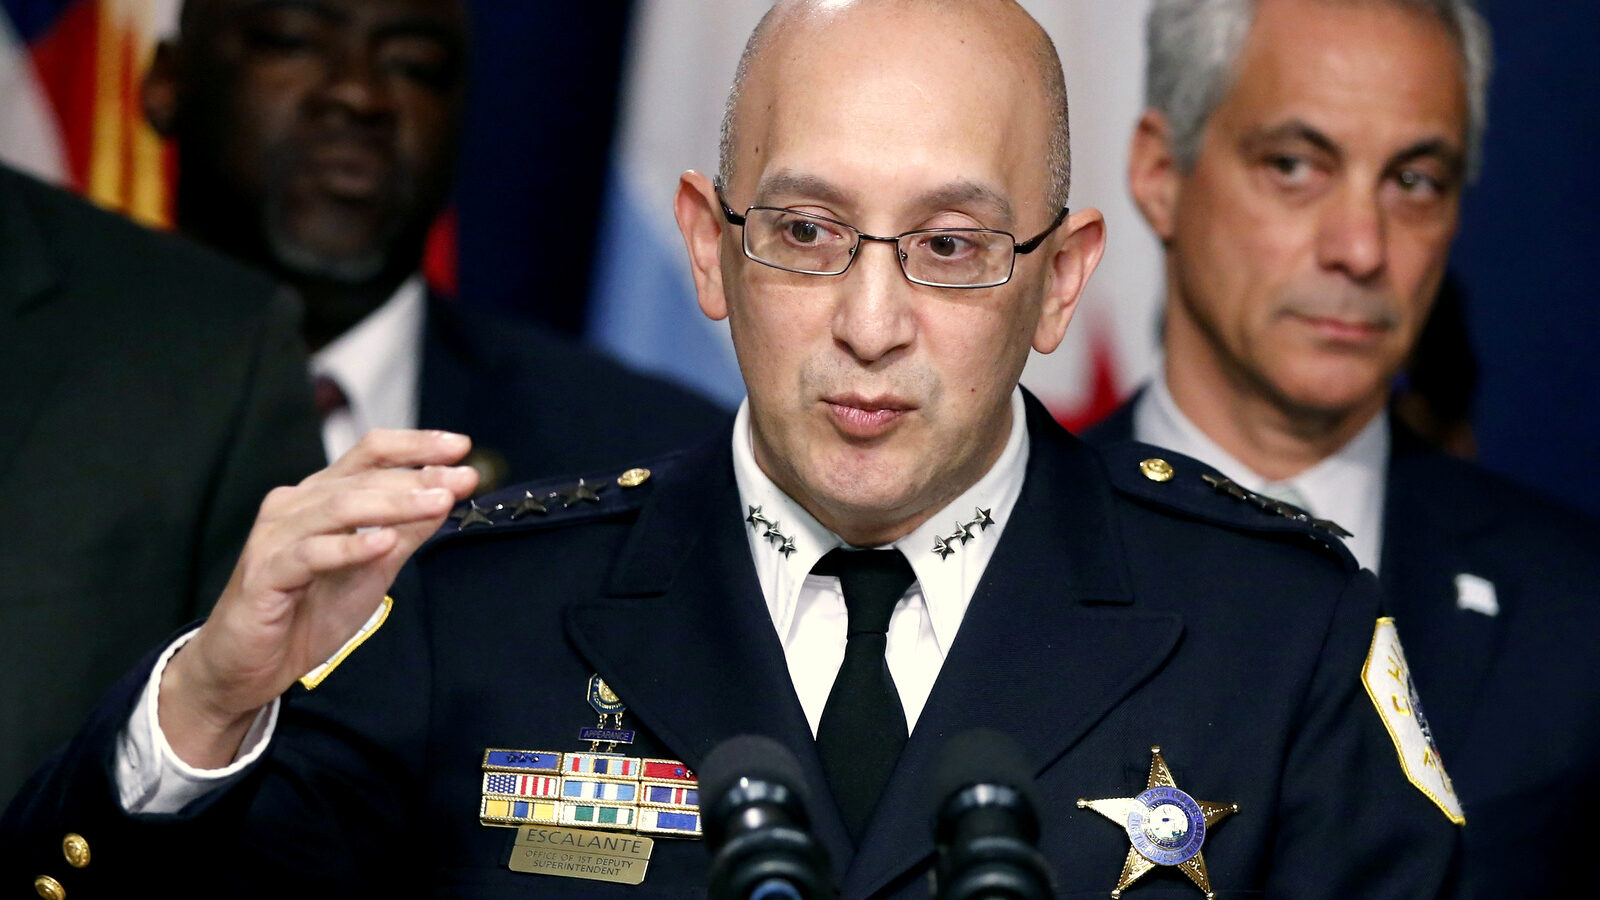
1165, 827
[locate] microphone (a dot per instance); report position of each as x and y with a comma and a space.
756, 825
986, 829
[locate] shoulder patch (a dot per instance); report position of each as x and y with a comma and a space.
1185, 485
564, 501
1387, 679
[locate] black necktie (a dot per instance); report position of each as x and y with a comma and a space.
863, 727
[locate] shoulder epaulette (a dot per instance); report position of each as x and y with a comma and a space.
550, 503
1187, 486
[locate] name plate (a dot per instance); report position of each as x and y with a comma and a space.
580, 853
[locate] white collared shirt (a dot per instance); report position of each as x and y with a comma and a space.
376, 363
1347, 487
808, 610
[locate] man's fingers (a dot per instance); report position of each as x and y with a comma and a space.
308, 558
384, 448
348, 510
285, 502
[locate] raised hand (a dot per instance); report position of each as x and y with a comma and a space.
317, 563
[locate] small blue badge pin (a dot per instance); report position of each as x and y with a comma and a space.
608, 706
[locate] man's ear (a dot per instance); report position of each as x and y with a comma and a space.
159, 92
1070, 267
1153, 175
699, 216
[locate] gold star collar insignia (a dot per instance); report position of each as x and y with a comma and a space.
1165, 827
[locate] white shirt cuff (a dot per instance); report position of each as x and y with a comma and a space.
151, 778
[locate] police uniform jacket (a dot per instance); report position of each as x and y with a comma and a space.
1510, 690
1117, 613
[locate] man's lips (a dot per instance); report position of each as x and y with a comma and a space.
348, 171
862, 417
1344, 330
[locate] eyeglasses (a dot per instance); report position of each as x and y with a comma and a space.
936, 257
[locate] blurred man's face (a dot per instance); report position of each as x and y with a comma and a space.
874, 401
1308, 242
319, 134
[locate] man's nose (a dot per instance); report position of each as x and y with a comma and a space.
355, 81
1353, 234
875, 314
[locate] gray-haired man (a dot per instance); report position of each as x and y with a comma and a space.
1302, 161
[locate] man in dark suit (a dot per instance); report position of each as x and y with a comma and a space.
1090, 605
1307, 216
153, 393
318, 141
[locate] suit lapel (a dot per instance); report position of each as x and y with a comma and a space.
1429, 533
33, 354
1082, 647
685, 637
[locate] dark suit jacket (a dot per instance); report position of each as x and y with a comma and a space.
538, 405
150, 395
1116, 614
1513, 699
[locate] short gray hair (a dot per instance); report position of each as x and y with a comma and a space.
1192, 47
1045, 58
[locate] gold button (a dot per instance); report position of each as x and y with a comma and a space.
633, 477
76, 850
49, 888
1156, 469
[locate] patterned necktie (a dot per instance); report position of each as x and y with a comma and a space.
863, 727
327, 396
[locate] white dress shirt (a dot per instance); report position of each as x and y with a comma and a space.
377, 363
807, 610
1347, 487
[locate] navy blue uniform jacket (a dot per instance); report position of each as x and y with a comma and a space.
1117, 613
1513, 698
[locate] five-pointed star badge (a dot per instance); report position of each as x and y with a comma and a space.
1165, 827
472, 515
582, 492
528, 504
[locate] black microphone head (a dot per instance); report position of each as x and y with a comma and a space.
753, 813
990, 761
749, 769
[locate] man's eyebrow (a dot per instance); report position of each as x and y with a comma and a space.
1444, 150
315, 7
962, 194
965, 194
785, 182
429, 29
1294, 129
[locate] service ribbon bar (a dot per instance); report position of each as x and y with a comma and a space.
522, 761
665, 770
608, 791
503, 784
507, 811
600, 815
672, 795
605, 765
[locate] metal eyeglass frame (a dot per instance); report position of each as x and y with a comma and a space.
1017, 249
